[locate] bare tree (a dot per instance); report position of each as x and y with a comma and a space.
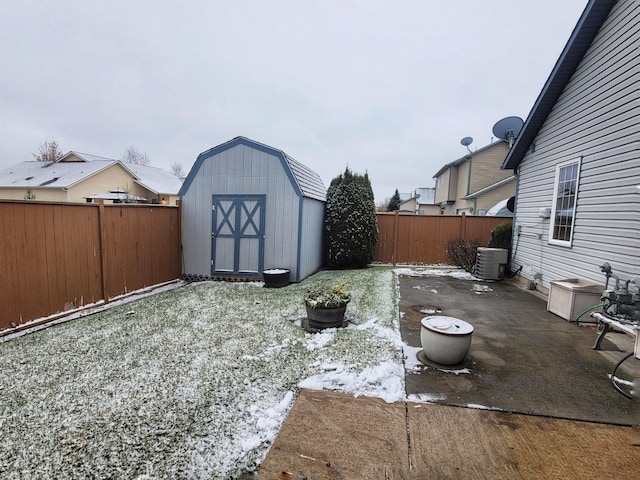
49, 151
177, 170
383, 206
131, 155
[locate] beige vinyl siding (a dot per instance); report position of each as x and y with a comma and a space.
485, 167
596, 118
446, 186
428, 209
111, 178
42, 194
489, 199
462, 189
409, 205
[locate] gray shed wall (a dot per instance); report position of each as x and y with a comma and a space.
242, 170
312, 232
597, 117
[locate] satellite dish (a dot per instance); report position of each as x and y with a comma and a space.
511, 203
508, 129
466, 141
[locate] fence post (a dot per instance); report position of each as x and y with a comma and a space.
395, 238
103, 242
180, 257
463, 226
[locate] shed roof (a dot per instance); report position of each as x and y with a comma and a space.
588, 26
306, 182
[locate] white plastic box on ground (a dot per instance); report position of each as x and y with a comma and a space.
570, 297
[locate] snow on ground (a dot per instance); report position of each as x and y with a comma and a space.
192, 382
435, 272
411, 362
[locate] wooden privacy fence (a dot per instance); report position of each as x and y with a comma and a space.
422, 239
60, 256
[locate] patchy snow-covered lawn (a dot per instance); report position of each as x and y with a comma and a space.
192, 382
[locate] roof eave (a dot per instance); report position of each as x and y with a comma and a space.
488, 188
588, 26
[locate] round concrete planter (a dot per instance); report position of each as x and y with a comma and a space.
326, 317
276, 277
445, 340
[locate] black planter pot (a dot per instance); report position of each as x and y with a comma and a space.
326, 317
276, 277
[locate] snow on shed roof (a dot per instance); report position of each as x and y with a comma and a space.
307, 182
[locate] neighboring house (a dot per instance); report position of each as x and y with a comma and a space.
247, 207
80, 177
474, 183
421, 202
578, 156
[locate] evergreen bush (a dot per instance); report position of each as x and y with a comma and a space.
350, 221
501, 236
394, 202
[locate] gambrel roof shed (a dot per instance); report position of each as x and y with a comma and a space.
248, 207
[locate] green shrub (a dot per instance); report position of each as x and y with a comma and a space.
462, 252
501, 236
350, 221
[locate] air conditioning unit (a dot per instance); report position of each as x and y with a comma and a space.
491, 263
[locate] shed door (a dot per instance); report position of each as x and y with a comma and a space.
237, 244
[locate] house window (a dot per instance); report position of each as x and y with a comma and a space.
564, 203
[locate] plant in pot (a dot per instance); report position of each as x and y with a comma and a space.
326, 305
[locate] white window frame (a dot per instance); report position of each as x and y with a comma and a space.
555, 206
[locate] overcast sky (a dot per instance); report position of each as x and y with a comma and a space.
388, 87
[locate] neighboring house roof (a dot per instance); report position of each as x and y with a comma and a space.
493, 186
50, 175
82, 156
425, 196
156, 179
66, 174
307, 182
464, 158
592, 19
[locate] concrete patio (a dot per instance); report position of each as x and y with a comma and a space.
534, 401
